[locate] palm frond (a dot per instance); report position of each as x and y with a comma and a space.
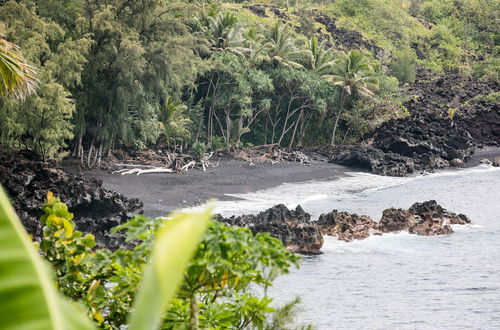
18, 78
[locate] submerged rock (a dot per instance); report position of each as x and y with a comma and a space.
292, 227
27, 180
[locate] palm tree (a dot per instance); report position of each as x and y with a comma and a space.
280, 48
318, 58
173, 120
226, 33
17, 77
354, 74
254, 41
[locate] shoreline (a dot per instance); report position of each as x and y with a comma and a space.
164, 193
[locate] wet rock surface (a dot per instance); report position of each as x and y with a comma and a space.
293, 227
27, 180
431, 219
425, 219
346, 226
299, 234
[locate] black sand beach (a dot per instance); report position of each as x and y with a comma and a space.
165, 192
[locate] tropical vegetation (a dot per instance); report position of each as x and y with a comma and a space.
133, 74
29, 299
159, 278
82, 78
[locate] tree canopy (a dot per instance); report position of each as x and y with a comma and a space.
133, 74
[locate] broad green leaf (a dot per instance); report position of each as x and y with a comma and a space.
28, 297
174, 247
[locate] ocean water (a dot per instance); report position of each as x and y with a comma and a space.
396, 281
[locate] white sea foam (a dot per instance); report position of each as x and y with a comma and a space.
293, 194
354, 185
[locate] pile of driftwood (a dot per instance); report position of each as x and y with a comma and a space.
271, 153
162, 162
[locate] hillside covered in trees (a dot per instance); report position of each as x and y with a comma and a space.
390, 87
206, 75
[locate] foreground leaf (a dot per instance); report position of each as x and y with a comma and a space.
28, 297
174, 246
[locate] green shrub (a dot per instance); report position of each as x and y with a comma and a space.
215, 287
198, 149
218, 142
403, 66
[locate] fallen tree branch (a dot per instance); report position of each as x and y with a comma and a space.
139, 171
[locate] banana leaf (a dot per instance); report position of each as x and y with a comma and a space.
175, 243
28, 296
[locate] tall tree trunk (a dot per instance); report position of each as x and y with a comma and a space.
266, 130
229, 125
295, 129
89, 156
343, 97
302, 129
193, 313
345, 135
283, 132
78, 146
335, 127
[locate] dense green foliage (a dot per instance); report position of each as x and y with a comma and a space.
218, 287
131, 73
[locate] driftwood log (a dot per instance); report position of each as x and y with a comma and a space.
167, 162
271, 153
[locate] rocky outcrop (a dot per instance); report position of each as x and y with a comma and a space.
264, 10
400, 146
337, 37
484, 126
425, 219
431, 219
27, 180
293, 227
476, 112
394, 220
301, 235
345, 226
427, 139
374, 160
340, 37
